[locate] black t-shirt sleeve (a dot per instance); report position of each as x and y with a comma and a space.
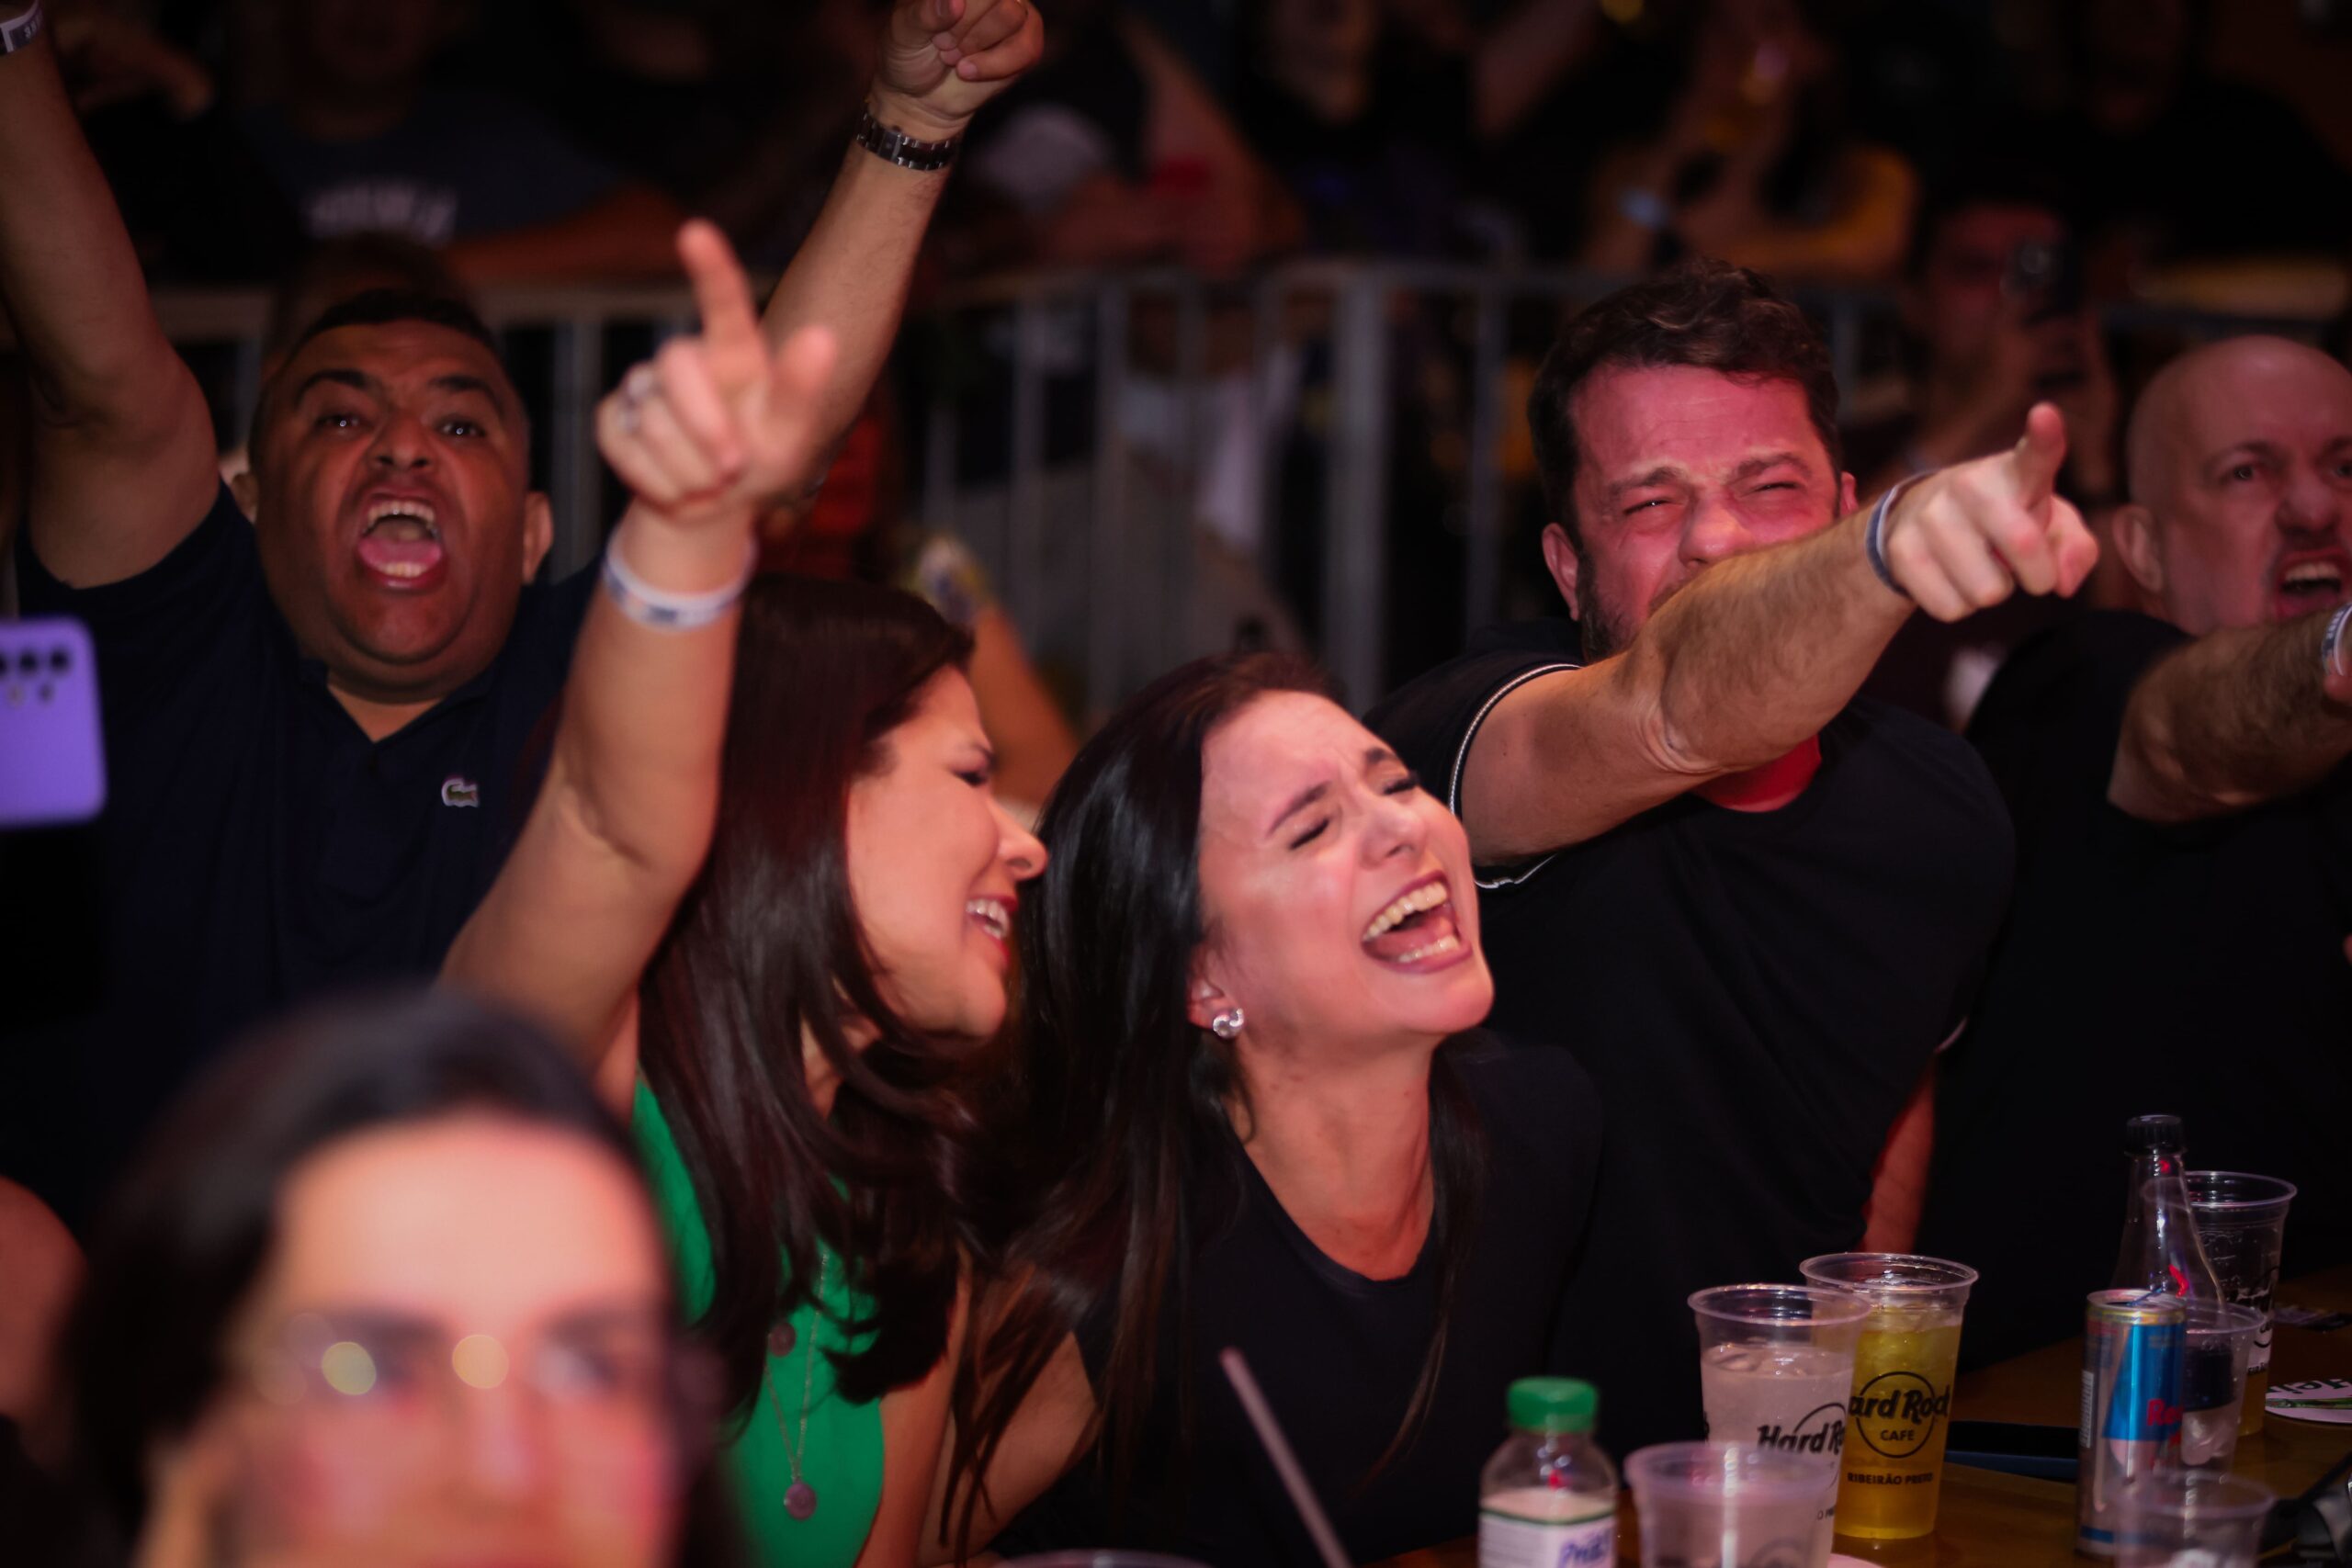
1431, 722
2049, 722
150, 629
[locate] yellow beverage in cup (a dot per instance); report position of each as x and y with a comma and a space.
1897, 1423
1900, 1415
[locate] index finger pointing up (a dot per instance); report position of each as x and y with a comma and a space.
2040, 453
722, 294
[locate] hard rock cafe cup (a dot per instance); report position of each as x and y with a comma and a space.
1900, 1413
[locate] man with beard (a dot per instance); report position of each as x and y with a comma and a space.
321, 729
1752, 905
2184, 854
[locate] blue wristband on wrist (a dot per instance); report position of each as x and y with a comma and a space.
1875, 534
2331, 644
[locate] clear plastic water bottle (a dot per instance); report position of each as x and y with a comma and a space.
2161, 1250
1548, 1499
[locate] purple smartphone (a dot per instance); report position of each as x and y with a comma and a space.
53, 754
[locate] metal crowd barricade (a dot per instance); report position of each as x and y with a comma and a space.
1358, 336
1136, 600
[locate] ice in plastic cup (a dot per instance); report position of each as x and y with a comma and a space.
2242, 1220
2190, 1519
2220, 1336
1730, 1506
1775, 1366
1900, 1414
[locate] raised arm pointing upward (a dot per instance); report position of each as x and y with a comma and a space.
706, 437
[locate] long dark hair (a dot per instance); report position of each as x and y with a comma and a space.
766, 950
1110, 1138
194, 1223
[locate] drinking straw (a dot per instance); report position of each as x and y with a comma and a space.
1270, 1433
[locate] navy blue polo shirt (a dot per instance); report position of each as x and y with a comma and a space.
257, 847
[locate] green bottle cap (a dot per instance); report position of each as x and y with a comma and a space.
1554, 1405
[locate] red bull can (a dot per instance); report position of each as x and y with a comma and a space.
2133, 1345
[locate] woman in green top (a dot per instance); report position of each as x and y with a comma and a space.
857, 901
782, 1024
842, 951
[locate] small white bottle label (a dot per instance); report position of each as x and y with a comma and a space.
1524, 1530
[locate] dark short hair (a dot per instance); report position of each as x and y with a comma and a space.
335, 271
1709, 315
382, 307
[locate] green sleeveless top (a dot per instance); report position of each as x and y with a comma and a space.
842, 1459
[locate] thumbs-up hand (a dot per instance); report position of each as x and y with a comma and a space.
1965, 538
943, 59
718, 425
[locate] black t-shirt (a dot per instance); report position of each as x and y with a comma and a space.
255, 847
2196, 969
1338, 1354
1755, 994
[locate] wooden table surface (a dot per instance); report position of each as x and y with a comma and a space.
1989, 1518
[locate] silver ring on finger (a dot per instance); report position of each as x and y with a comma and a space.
637, 387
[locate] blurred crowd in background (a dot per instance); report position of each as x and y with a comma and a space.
1990, 174
2180, 143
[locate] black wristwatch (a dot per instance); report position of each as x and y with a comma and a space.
895, 146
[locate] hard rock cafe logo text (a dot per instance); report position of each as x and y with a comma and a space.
1821, 1431
1897, 1413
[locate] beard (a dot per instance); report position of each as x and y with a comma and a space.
1605, 629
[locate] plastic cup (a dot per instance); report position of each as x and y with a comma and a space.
1730, 1506
2189, 1519
1900, 1415
2220, 1336
1775, 1366
2242, 1220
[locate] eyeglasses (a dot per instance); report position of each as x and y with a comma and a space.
601, 1386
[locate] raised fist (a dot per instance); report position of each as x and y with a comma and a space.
943, 59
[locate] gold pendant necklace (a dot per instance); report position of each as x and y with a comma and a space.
799, 1498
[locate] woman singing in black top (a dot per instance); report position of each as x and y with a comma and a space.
1241, 1112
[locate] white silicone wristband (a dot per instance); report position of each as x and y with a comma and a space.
665, 611
16, 33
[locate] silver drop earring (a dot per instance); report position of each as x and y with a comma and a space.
1227, 1024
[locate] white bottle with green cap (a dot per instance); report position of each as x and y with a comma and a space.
1548, 1499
